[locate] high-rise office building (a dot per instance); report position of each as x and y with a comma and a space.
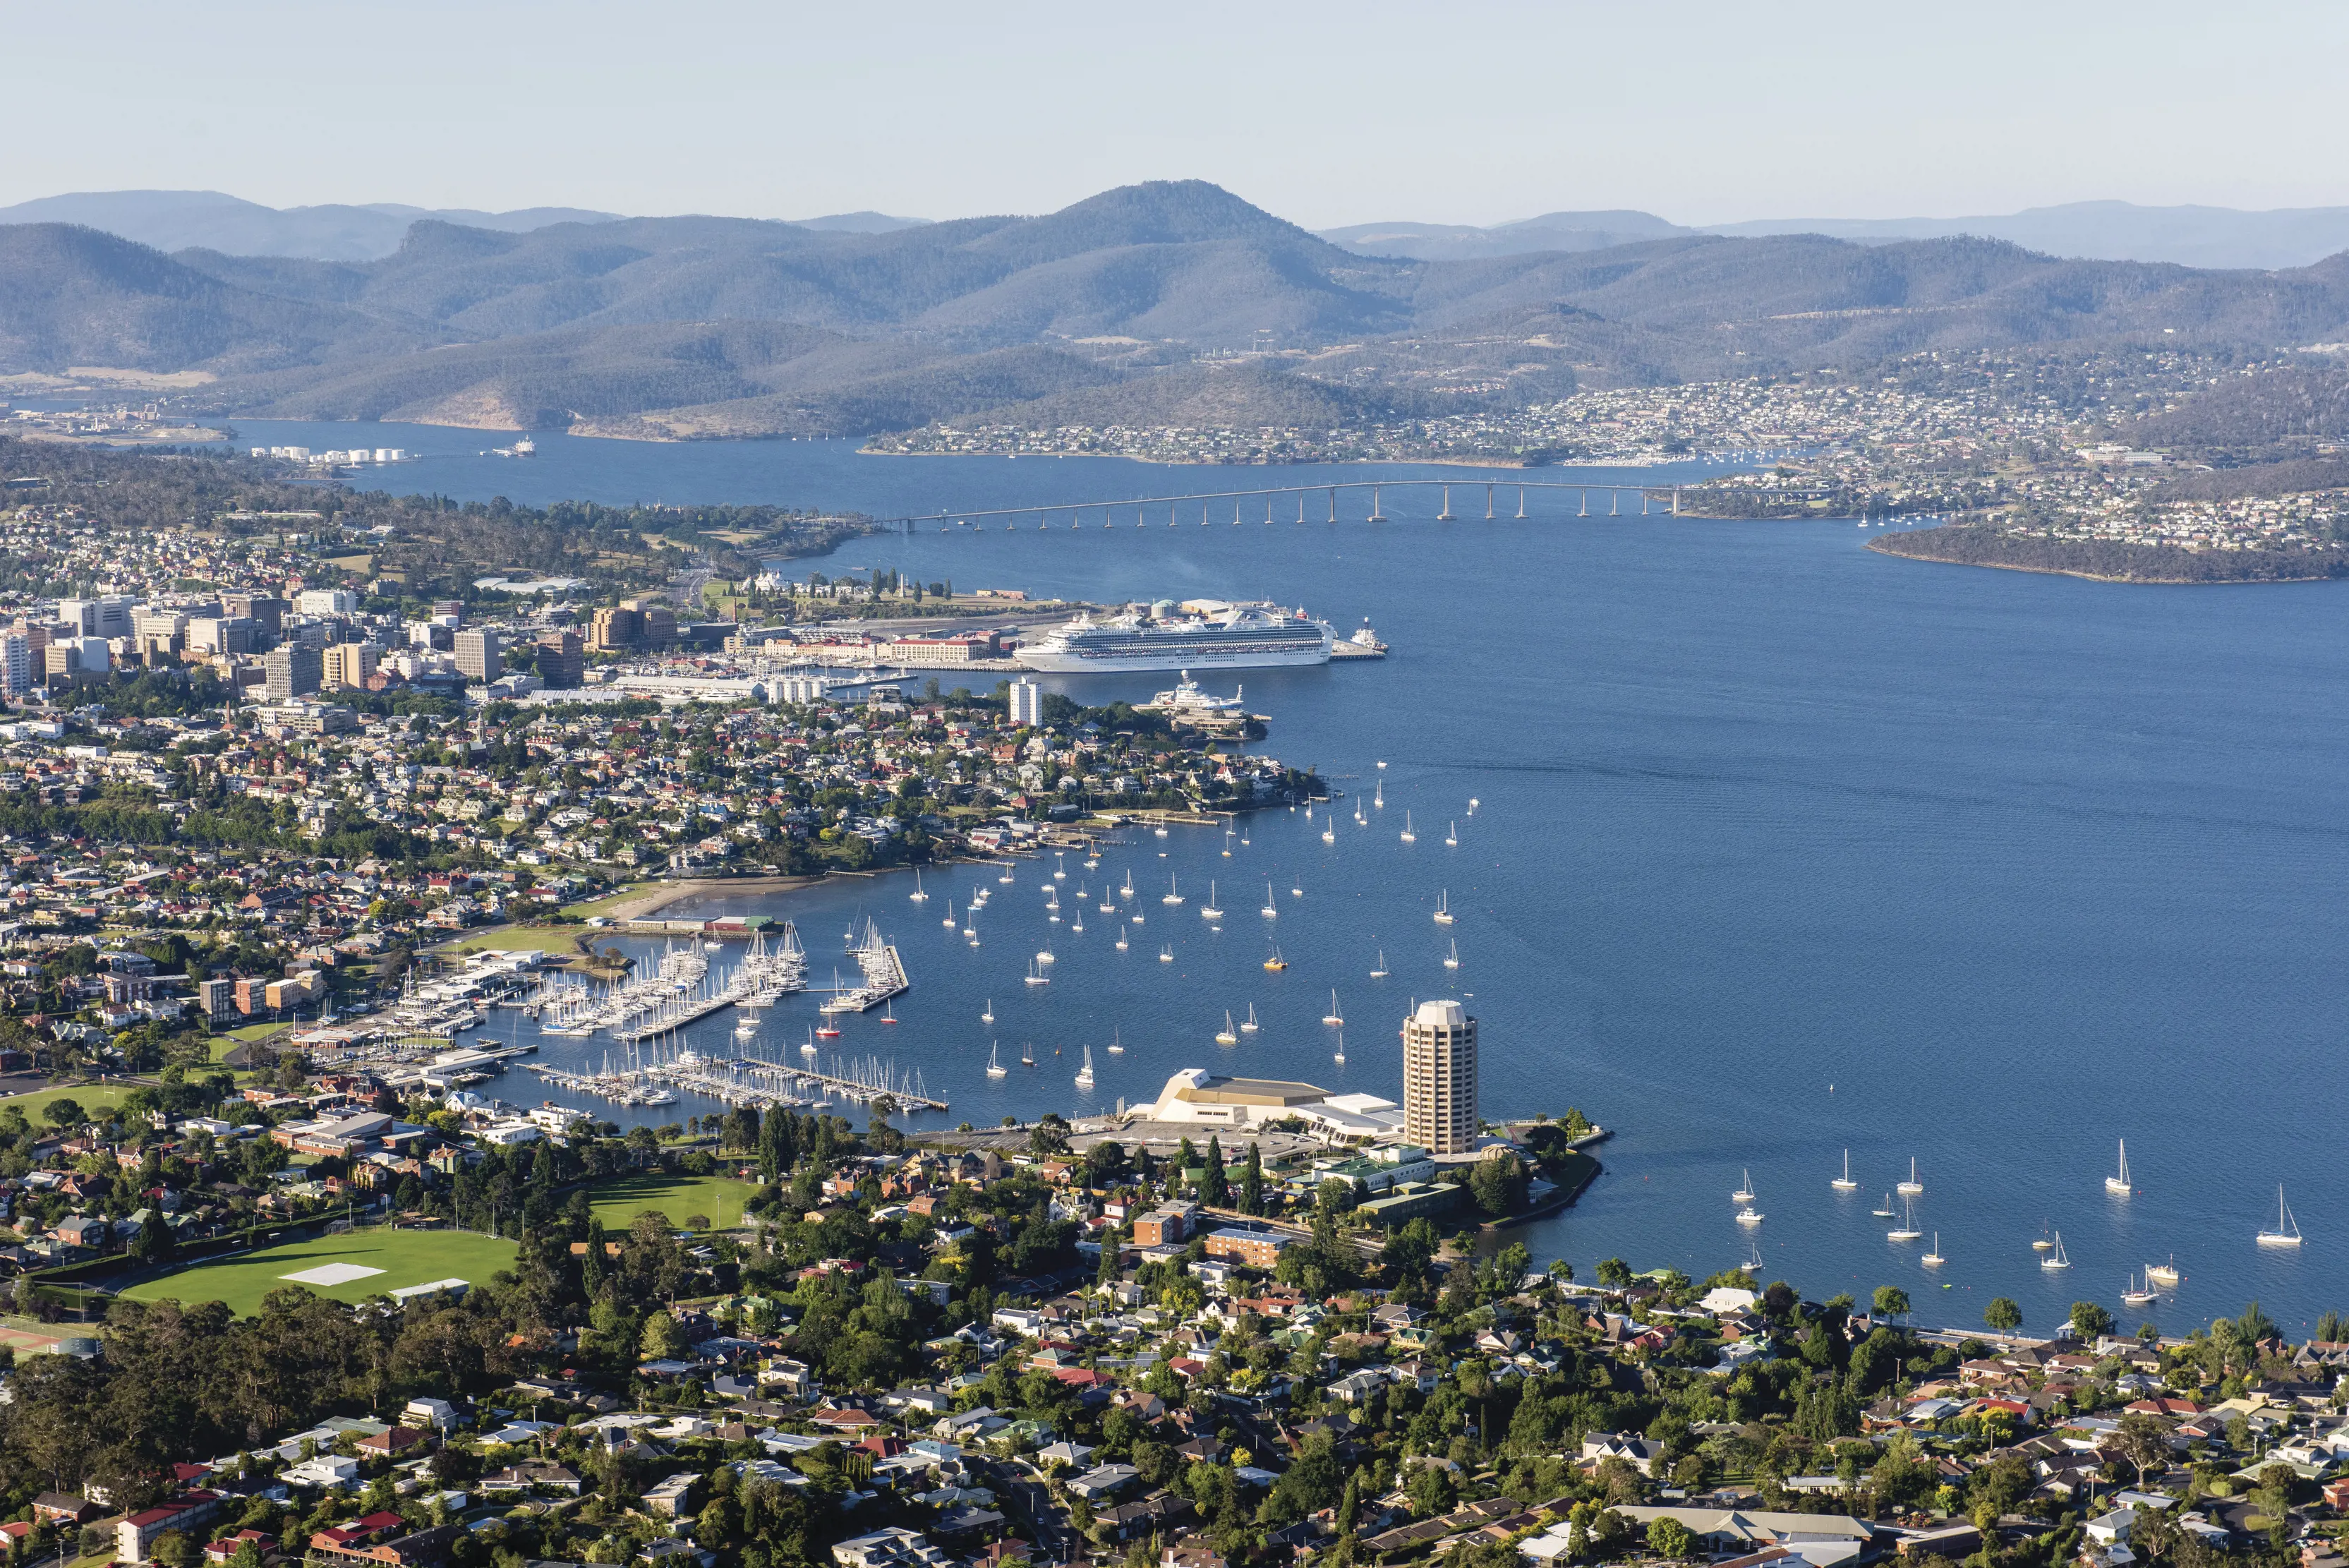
327, 602
15, 663
290, 671
1439, 1079
347, 664
109, 616
478, 654
267, 611
1027, 703
614, 628
560, 661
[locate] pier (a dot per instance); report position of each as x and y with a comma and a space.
749, 1081
884, 975
676, 992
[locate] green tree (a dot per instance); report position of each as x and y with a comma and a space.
2255, 1327
1252, 1183
664, 1338
156, 1245
64, 1112
1614, 1274
1891, 1302
2091, 1320
2144, 1442
1050, 1137
2003, 1314
1431, 1491
1498, 1184
1214, 1189
1669, 1538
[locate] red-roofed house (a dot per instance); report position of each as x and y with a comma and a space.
223, 1549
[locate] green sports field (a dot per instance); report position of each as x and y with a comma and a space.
346, 1268
718, 1199
91, 1098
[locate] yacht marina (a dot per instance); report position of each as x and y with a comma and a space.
748, 1080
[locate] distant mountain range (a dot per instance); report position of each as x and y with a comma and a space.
2095, 231
1098, 313
207, 219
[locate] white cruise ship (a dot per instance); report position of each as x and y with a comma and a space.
1225, 637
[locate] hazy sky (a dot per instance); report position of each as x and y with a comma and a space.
1325, 113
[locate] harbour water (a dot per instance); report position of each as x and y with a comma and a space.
1783, 847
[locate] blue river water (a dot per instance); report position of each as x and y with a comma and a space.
1783, 847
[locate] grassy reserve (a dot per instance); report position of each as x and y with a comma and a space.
560, 940
604, 906
398, 1258
88, 1097
718, 1199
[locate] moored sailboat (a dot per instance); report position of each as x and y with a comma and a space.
2287, 1230
2119, 1184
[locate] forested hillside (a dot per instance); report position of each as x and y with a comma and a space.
707, 327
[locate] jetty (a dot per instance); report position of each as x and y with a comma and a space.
751, 1081
674, 992
883, 970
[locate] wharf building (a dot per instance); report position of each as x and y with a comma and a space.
1195, 1097
1439, 1079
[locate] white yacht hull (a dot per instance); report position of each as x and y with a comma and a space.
1108, 662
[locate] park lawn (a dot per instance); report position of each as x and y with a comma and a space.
400, 1259
560, 940
606, 904
88, 1097
718, 1199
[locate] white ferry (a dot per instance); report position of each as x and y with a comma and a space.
1207, 634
